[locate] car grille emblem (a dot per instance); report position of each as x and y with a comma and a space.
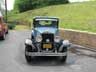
47, 40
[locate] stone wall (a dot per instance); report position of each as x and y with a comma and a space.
79, 37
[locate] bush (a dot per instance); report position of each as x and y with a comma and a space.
11, 26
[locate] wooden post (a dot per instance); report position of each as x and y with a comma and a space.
6, 10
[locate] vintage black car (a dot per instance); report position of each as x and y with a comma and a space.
45, 40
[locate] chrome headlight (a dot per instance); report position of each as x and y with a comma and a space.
66, 43
38, 38
57, 39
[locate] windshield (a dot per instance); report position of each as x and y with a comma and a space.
46, 23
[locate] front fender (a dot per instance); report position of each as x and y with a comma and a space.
65, 44
28, 42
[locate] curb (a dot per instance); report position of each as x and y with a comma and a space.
82, 47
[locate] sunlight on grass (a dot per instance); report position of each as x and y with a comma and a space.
79, 16
21, 27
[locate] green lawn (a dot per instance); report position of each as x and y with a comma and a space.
21, 27
79, 16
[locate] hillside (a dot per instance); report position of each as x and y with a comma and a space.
80, 16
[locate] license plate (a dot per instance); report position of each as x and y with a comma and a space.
47, 45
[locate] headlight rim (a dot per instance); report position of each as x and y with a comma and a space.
57, 38
38, 38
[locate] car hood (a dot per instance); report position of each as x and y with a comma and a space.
46, 29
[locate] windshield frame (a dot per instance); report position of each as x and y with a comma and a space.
54, 22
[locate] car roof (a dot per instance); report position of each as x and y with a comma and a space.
45, 18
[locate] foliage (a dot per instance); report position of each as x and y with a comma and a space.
79, 16
21, 27
25, 5
11, 26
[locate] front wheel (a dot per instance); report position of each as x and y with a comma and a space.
3, 37
62, 59
28, 58
7, 32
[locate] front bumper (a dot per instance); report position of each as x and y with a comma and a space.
45, 54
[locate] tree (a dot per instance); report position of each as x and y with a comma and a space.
6, 9
24, 5
1, 9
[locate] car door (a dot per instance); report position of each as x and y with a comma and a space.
4, 25
3, 29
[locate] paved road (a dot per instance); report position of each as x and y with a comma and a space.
12, 58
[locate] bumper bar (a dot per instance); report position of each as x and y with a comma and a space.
45, 54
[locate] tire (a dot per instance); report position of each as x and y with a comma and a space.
28, 58
62, 59
3, 37
7, 32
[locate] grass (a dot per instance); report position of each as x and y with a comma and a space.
21, 27
79, 16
